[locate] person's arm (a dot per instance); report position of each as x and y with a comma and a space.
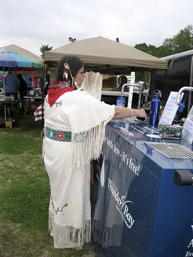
123, 112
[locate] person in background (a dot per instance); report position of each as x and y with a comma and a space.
22, 89
121, 81
28, 81
34, 82
23, 86
12, 84
74, 131
47, 84
11, 89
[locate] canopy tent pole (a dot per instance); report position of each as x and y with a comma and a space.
3, 80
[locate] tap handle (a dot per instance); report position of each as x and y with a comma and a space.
157, 92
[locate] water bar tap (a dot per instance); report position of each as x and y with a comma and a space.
130, 97
158, 92
179, 96
125, 85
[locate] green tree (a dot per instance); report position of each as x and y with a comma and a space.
181, 42
149, 49
163, 51
44, 48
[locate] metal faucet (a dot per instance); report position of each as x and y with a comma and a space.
158, 92
125, 85
179, 96
130, 97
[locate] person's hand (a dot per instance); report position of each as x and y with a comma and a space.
141, 114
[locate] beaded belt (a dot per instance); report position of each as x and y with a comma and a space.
64, 136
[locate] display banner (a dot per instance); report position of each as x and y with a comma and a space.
187, 132
170, 110
115, 207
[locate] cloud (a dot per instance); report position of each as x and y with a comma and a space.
31, 24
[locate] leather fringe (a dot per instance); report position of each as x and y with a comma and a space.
89, 142
68, 236
107, 236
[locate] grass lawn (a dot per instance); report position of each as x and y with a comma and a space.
24, 195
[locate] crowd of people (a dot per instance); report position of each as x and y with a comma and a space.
19, 85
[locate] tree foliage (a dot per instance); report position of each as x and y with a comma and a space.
150, 49
181, 42
44, 48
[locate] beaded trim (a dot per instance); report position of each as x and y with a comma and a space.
60, 85
64, 136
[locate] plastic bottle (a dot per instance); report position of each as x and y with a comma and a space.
121, 101
154, 114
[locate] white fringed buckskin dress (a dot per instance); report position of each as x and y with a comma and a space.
74, 134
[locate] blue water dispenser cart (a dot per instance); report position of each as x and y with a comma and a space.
144, 195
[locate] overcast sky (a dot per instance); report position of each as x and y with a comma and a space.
30, 24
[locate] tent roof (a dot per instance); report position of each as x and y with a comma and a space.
20, 50
107, 55
178, 55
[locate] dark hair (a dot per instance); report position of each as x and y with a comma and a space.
74, 63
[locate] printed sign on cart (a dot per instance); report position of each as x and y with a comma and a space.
132, 169
187, 134
190, 246
122, 205
126, 158
170, 110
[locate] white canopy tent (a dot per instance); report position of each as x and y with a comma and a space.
27, 53
20, 50
107, 56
